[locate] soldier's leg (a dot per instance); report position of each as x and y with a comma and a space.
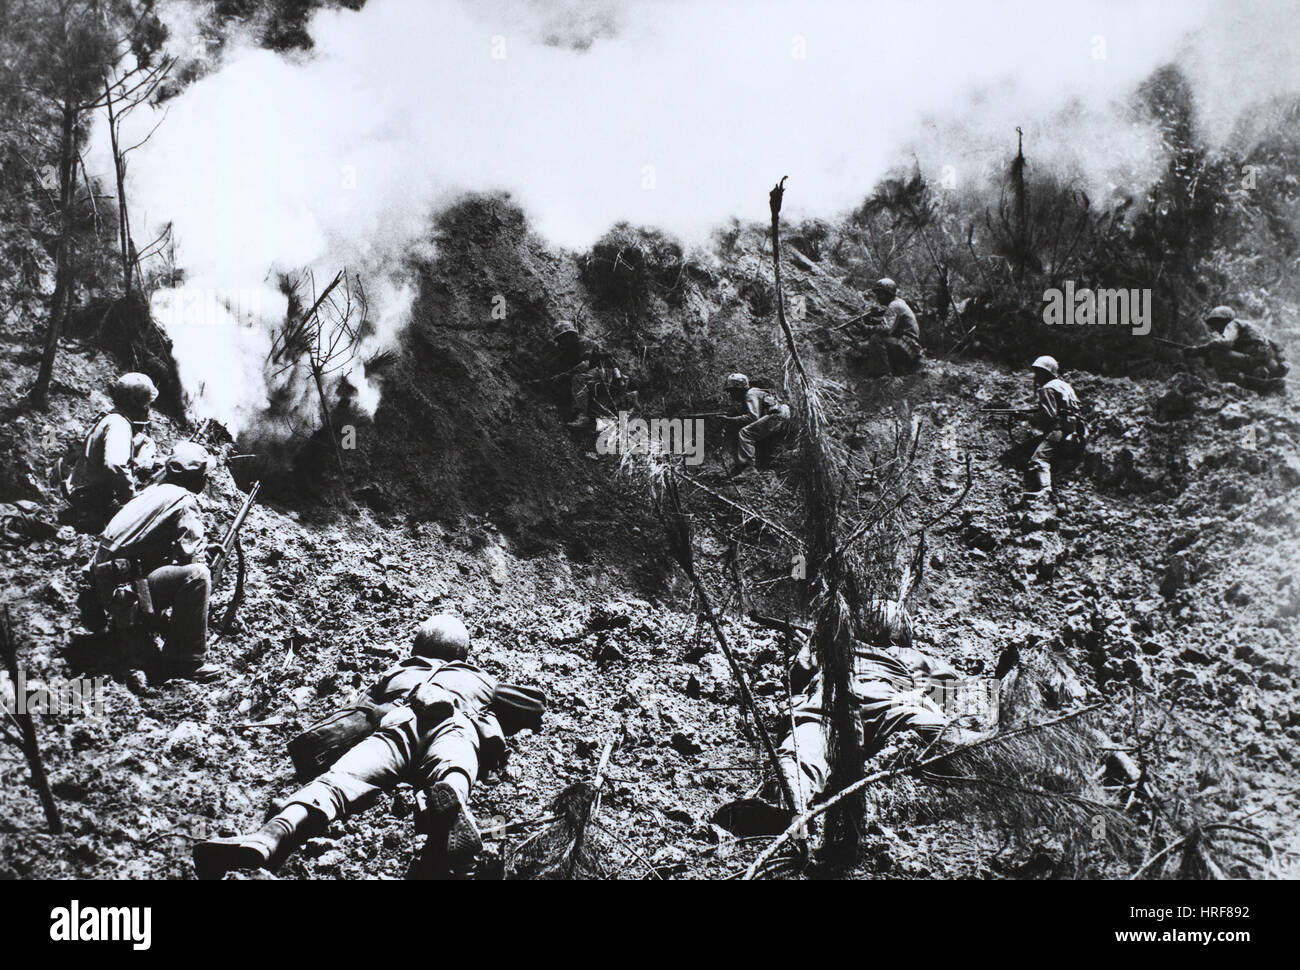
904, 356
185, 590
371, 767
580, 395
876, 354
804, 758
445, 771
754, 432
1039, 476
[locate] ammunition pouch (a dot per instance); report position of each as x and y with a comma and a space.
518, 708
123, 591
316, 749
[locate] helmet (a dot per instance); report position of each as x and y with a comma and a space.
442, 637
1048, 365
189, 458
1223, 313
561, 328
736, 382
134, 391
887, 285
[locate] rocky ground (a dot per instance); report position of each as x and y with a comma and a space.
1166, 573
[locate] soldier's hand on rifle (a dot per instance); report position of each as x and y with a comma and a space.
214, 550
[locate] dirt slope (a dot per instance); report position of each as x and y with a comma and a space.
1169, 566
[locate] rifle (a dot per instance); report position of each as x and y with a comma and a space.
232, 535
1194, 348
1018, 412
781, 626
705, 414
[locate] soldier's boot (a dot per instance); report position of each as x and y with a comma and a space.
450, 822
266, 848
1037, 486
202, 673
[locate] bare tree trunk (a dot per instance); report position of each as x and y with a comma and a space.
123, 217
39, 395
325, 412
1019, 214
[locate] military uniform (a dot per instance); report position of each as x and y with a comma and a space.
439, 727
159, 536
771, 416
894, 344
406, 747
1243, 351
115, 456
587, 366
1059, 419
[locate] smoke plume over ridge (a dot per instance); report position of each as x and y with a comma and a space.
675, 115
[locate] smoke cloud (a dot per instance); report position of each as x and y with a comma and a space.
671, 114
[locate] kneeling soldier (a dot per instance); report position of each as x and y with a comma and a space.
153, 556
438, 722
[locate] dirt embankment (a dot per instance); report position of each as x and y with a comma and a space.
1167, 572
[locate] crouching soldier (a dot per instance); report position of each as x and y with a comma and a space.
434, 720
117, 454
762, 416
893, 345
586, 368
1240, 353
152, 557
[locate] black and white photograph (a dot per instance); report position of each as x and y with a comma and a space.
637, 441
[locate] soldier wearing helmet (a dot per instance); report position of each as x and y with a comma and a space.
1239, 352
1057, 417
892, 344
762, 416
435, 720
153, 557
584, 368
117, 454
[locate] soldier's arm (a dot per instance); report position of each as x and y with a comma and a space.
190, 544
753, 403
1048, 408
117, 456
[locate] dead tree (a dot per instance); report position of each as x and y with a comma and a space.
122, 95
326, 339
69, 50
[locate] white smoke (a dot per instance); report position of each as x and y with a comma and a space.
672, 114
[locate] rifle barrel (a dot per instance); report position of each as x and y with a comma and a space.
228, 543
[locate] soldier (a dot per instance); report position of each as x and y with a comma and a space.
441, 724
1062, 433
586, 366
117, 454
1238, 352
895, 688
153, 556
893, 345
764, 416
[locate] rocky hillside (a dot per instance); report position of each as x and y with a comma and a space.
1163, 583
